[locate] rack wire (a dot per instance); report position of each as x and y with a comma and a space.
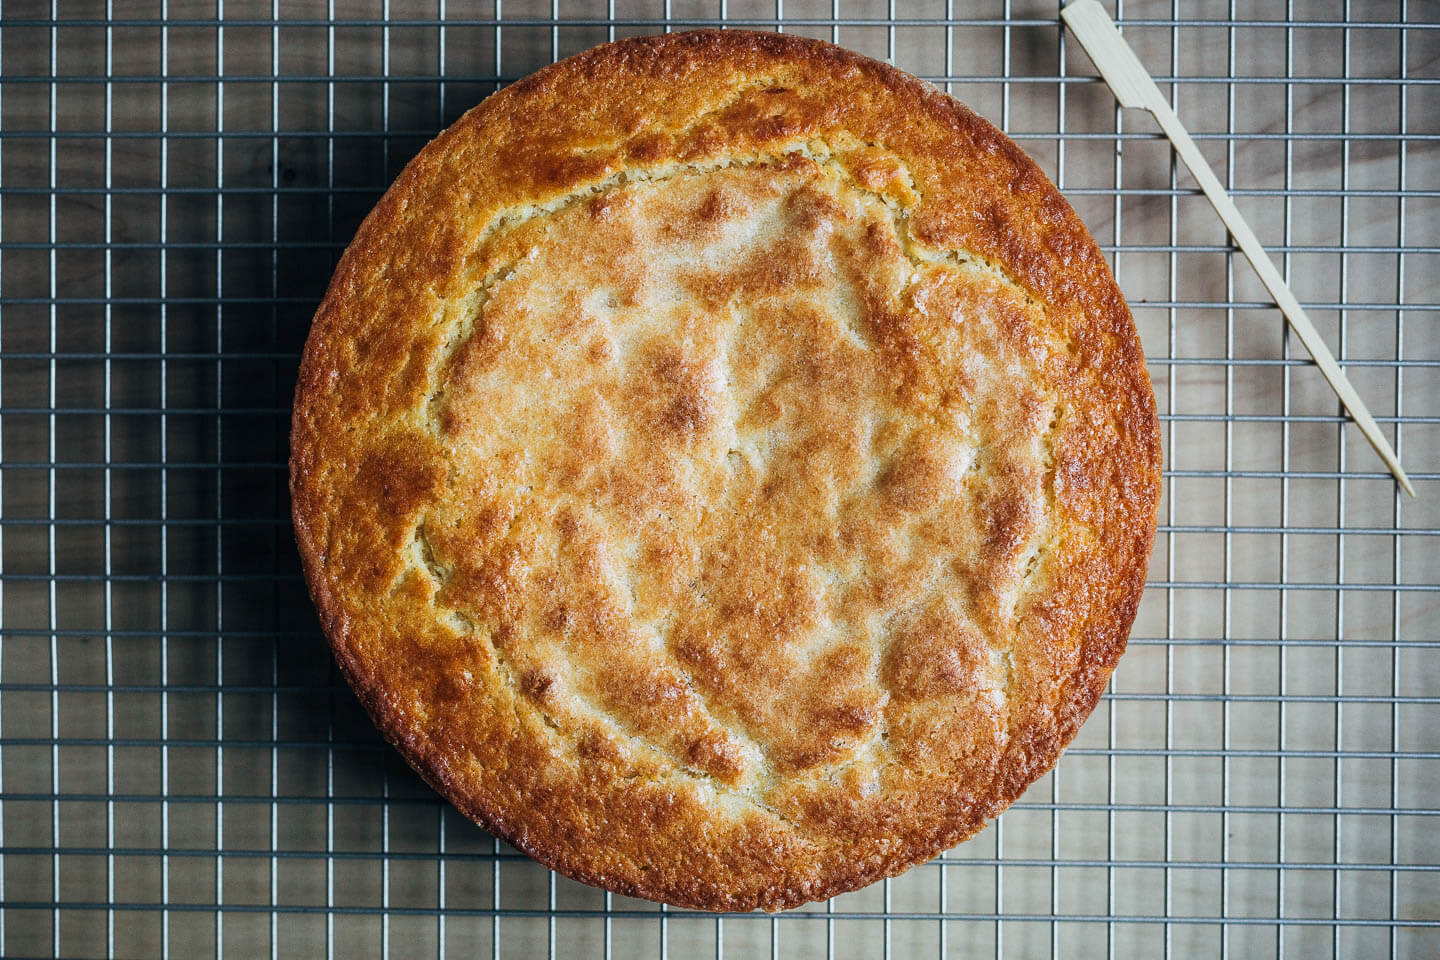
183, 773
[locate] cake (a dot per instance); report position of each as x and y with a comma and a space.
725, 469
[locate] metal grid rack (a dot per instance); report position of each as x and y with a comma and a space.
181, 772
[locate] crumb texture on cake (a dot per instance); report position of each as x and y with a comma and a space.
725, 468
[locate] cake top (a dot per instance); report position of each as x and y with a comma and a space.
725, 468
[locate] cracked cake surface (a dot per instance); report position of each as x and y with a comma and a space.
725, 468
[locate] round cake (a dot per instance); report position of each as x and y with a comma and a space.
725, 468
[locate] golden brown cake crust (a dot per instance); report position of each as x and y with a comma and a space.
725, 468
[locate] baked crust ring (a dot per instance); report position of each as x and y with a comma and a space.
879, 703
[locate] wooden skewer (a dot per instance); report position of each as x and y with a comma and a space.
1134, 87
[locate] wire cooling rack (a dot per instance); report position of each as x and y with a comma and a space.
182, 773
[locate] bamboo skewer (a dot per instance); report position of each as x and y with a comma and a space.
1133, 87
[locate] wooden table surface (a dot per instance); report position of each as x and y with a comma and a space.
182, 771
